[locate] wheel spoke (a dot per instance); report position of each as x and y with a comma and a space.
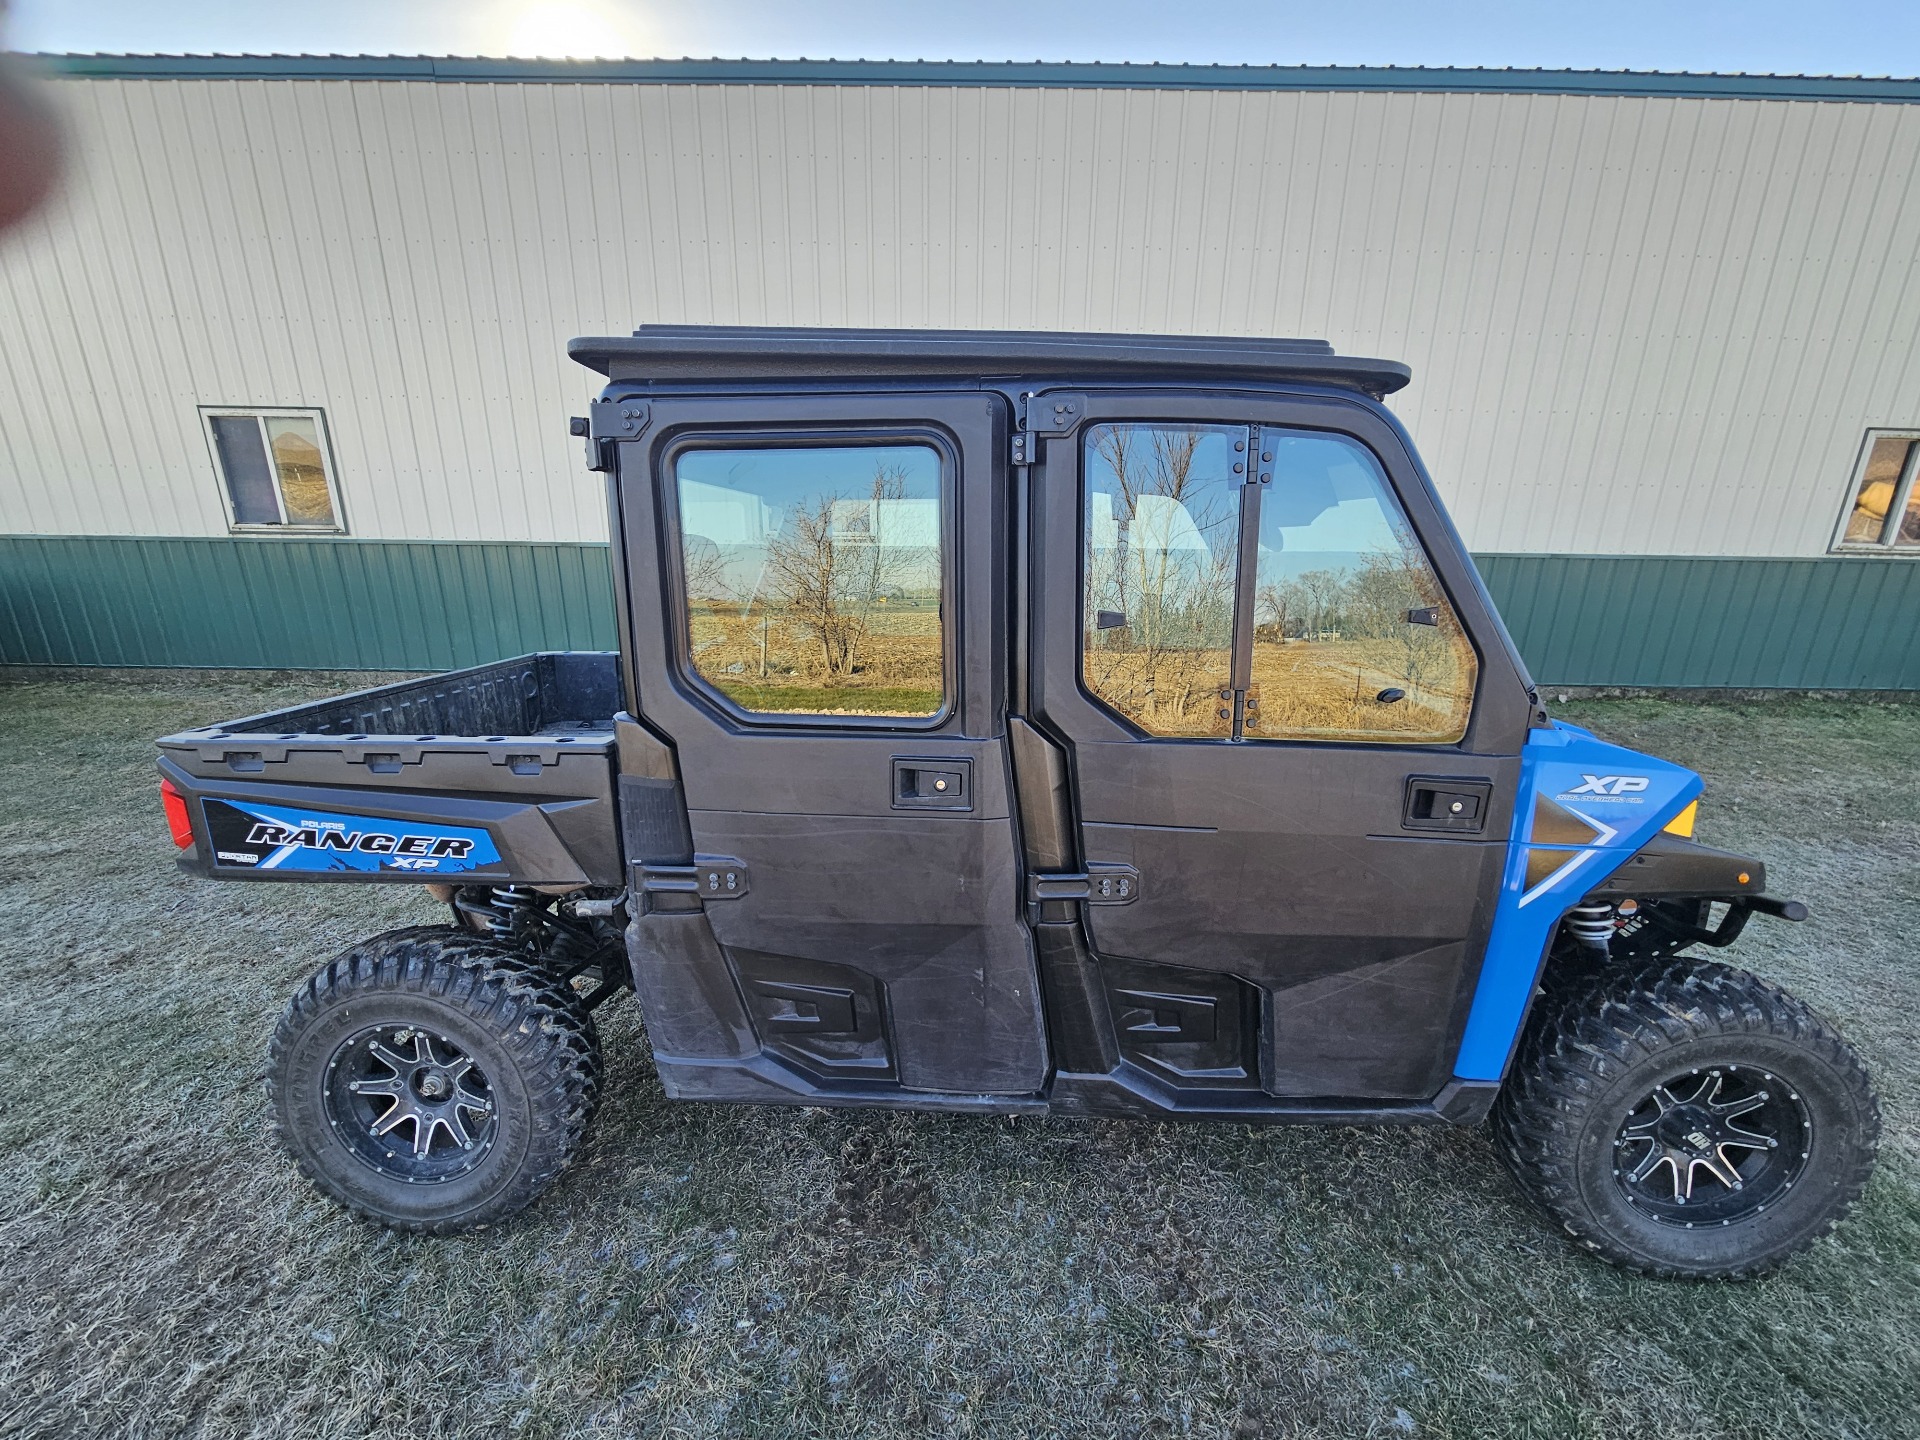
1682, 1177
423, 1128
1704, 1092
1729, 1109
1655, 1158
392, 1059
1746, 1138
1725, 1168
390, 1087
457, 1128
400, 1111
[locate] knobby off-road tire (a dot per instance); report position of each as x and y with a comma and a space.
432, 1080
1625, 1079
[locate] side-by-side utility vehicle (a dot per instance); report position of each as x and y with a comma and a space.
1032, 724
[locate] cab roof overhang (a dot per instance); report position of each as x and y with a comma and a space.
755, 353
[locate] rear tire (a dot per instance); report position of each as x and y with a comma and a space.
1687, 1119
432, 1080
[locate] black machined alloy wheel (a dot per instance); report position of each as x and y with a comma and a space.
410, 1103
1684, 1118
1713, 1147
433, 1080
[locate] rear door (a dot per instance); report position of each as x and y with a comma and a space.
821, 641
1291, 718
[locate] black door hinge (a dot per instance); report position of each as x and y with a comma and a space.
710, 877
606, 424
1099, 884
1044, 414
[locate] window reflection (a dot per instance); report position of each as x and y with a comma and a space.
1162, 509
813, 577
1353, 636
1886, 462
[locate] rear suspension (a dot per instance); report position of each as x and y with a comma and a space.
584, 941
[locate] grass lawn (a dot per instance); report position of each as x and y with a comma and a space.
739, 1271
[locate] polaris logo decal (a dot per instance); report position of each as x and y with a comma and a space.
1609, 785
250, 836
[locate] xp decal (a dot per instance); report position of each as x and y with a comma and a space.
247, 835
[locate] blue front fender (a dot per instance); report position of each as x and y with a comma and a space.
1583, 809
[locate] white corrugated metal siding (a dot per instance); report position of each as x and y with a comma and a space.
1637, 325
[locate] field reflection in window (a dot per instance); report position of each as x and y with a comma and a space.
813, 577
1339, 575
1162, 536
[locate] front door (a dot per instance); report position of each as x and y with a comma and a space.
822, 644
1290, 717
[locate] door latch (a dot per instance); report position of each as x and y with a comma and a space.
931, 783
1447, 802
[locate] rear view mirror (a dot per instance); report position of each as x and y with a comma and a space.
1390, 694
1425, 615
1109, 620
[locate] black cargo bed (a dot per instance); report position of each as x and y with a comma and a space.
507, 768
556, 693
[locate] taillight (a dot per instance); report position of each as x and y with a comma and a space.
177, 820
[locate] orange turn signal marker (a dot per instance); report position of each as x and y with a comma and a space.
1682, 824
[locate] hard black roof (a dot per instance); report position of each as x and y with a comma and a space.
751, 352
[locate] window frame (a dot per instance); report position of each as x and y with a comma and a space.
686, 675
1903, 489
260, 414
1245, 582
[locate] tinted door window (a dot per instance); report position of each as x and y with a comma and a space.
1162, 524
1353, 638
813, 577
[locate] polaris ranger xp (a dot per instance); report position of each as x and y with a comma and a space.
1028, 724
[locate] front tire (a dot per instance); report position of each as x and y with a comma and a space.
1687, 1119
432, 1080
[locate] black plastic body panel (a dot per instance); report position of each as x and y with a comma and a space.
521, 749
923, 899
1670, 868
1289, 865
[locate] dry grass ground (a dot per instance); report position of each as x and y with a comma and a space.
722, 1271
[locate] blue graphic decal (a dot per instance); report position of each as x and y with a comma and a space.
1583, 809
247, 835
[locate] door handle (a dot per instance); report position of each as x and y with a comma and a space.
1447, 803
932, 783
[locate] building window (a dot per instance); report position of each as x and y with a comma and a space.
813, 577
274, 468
1885, 512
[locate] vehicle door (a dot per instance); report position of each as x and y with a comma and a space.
1294, 731
818, 629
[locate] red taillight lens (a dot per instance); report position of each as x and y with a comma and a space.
177, 820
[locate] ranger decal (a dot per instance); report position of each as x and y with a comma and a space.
250, 836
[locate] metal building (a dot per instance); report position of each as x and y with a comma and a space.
282, 374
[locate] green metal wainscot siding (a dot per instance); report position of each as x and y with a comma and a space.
1816, 623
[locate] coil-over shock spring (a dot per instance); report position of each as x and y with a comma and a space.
501, 911
1591, 924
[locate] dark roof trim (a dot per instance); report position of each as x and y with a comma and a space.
988, 73
751, 352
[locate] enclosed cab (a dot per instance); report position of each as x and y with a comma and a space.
1018, 723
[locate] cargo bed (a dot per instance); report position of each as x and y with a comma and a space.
498, 774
